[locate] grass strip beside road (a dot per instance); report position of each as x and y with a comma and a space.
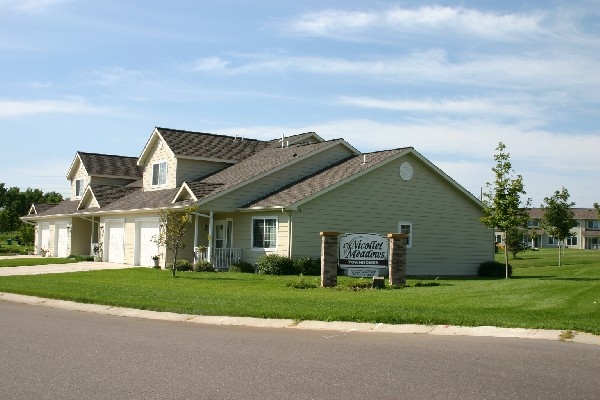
538, 295
25, 262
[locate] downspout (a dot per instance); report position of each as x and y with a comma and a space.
290, 234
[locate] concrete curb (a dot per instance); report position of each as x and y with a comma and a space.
336, 326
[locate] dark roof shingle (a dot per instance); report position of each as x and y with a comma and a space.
110, 165
208, 145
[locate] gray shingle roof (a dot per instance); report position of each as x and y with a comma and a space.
107, 194
580, 213
207, 145
321, 180
41, 207
65, 207
267, 160
111, 165
140, 199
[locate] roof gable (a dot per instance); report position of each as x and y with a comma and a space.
328, 179
203, 146
264, 163
96, 164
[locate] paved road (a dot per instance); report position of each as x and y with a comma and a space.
49, 353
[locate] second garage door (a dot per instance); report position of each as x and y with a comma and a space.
115, 235
146, 232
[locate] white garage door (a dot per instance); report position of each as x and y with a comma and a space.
147, 231
44, 238
115, 235
62, 240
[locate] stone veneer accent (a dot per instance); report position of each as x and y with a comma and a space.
329, 258
397, 258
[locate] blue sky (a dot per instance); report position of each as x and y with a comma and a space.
451, 79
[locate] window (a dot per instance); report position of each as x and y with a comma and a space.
572, 241
498, 238
159, 174
533, 223
406, 228
593, 224
553, 241
79, 183
264, 233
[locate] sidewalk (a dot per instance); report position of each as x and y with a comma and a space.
448, 330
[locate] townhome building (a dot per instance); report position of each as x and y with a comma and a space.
257, 197
586, 235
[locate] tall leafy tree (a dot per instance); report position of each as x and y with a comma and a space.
597, 207
174, 225
503, 207
15, 203
559, 219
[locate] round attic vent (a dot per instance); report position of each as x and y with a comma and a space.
406, 171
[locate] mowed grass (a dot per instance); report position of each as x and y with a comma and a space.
24, 262
540, 295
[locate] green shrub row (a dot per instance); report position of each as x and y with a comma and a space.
274, 264
185, 265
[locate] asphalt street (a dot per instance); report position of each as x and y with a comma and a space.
51, 353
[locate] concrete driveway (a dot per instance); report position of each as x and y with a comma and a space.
57, 268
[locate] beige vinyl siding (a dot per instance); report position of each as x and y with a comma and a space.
448, 238
159, 155
80, 174
81, 233
189, 170
242, 234
233, 200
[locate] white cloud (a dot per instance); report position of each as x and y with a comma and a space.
489, 107
9, 109
429, 20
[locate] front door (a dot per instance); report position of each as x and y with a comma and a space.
223, 240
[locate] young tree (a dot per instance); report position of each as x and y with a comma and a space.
502, 205
514, 240
174, 224
559, 219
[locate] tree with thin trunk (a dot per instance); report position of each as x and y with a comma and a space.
559, 219
503, 208
174, 224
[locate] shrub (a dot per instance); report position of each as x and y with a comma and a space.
274, 264
204, 266
242, 266
302, 283
493, 269
307, 266
184, 265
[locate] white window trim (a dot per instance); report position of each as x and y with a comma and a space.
410, 238
158, 179
268, 249
81, 188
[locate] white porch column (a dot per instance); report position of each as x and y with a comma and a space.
210, 235
195, 239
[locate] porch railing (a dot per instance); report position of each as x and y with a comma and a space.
223, 258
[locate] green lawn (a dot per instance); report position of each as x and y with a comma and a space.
540, 295
24, 262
